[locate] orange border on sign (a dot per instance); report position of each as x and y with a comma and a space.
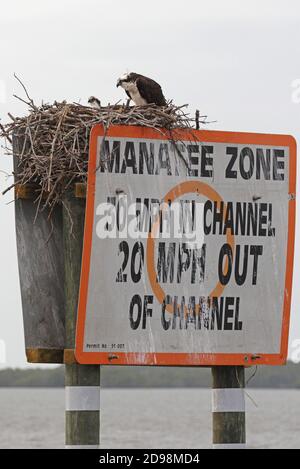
184, 359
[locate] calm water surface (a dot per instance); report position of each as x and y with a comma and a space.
147, 418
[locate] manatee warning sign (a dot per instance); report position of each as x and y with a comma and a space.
188, 248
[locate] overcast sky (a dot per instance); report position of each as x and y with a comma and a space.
236, 61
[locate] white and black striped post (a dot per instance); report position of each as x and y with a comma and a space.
82, 406
228, 407
82, 382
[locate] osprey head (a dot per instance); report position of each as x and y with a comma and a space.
125, 80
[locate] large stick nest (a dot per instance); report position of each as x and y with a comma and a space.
55, 140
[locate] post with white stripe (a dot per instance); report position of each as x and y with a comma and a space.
82, 381
228, 407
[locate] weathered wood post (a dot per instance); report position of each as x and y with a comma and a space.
41, 271
82, 381
228, 407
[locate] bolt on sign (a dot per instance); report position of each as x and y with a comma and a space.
188, 248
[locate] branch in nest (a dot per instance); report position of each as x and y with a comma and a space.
30, 103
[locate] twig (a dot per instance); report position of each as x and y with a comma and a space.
31, 103
5, 134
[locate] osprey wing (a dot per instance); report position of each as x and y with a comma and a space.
150, 91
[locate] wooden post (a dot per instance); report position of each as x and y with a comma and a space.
228, 407
82, 381
41, 270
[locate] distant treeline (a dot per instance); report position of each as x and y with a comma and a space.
117, 376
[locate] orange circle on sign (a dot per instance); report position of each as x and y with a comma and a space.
181, 189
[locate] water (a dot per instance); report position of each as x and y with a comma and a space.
147, 418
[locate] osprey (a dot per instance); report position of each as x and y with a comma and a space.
94, 102
142, 90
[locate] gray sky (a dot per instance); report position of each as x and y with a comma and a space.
234, 60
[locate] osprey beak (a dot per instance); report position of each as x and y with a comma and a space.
118, 83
